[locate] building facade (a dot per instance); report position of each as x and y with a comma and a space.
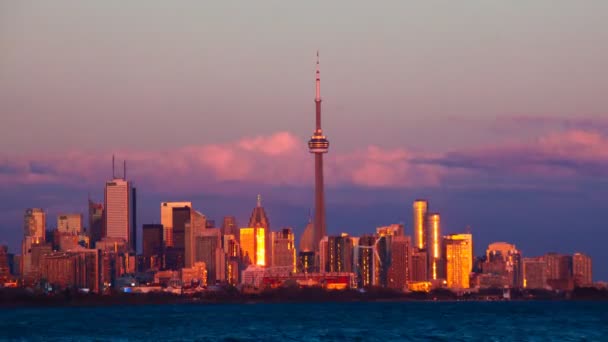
459, 260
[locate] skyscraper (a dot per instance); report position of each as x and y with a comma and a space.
284, 249
582, 269
229, 226
96, 222
209, 250
259, 220
338, 254
434, 238
318, 145
152, 245
253, 244
120, 209
420, 232
399, 271
34, 224
459, 260
193, 229
503, 266
166, 219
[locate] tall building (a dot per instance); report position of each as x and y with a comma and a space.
166, 219
419, 266
399, 271
259, 220
459, 260
96, 222
193, 229
229, 226
338, 254
365, 261
420, 231
253, 244
69, 223
34, 229
34, 224
502, 267
435, 262
5, 271
284, 249
318, 145
120, 211
152, 245
559, 271
209, 250
535, 273
582, 269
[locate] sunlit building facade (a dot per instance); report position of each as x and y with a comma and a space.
420, 231
260, 222
434, 248
459, 260
34, 224
166, 219
502, 267
120, 208
582, 269
535, 273
253, 244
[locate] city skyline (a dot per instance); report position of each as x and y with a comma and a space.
510, 141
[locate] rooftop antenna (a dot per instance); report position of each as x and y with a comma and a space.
124, 172
113, 168
259, 200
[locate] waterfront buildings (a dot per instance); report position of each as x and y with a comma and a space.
253, 244
535, 273
259, 222
166, 219
420, 218
399, 271
582, 269
502, 267
434, 240
96, 222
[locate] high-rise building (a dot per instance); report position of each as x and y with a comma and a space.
502, 267
166, 219
420, 231
80, 269
69, 223
209, 250
193, 229
535, 273
253, 244
582, 270
318, 145
338, 254
96, 222
120, 211
419, 265
5, 271
435, 261
259, 220
152, 245
559, 271
459, 260
284, 249
365, 261
34, 224
229, 226
399, 271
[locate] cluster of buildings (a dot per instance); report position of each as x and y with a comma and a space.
188, 250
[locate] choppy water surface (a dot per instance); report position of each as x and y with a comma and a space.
406, 321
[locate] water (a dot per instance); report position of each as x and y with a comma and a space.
406, 321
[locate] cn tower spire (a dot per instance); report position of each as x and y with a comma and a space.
318, 145
318, 94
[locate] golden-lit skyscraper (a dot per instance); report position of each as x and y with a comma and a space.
434, 246
257, 220
166, 219
253, 244
420, 211
582, 269
459, 260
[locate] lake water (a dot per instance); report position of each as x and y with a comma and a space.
390, 321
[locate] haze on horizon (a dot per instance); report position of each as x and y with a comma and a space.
494, 111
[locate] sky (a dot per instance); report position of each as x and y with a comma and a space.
494, 111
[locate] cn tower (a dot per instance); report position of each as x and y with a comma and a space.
318, 145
